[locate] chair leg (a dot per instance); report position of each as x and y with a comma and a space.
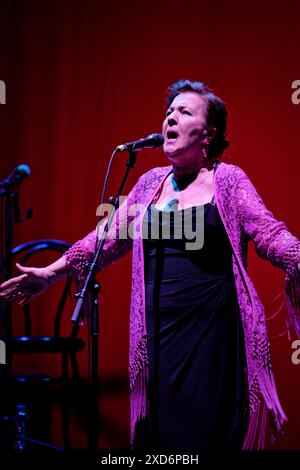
74, 366
65, 403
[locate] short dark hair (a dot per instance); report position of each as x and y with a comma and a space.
216, 112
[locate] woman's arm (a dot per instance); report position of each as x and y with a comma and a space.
273, 241
33, 281
271, 237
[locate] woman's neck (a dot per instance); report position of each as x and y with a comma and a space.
182, 177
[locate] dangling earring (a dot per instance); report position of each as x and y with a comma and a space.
204, 152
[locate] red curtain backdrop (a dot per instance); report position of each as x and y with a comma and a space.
83, 76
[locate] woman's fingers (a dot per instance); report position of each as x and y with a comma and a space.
17, 285
14, 294
7, 294
16, 280
13, 281
32, 282
10, 290
24, 300
10, 297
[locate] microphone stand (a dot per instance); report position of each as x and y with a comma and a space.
93, 287
8, 189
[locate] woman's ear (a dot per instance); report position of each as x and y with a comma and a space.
209, 134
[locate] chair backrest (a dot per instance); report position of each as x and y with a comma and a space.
25, 254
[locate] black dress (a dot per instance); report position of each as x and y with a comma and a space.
196, 348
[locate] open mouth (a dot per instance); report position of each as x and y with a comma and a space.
172, 136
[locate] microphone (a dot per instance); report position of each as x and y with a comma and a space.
149, 142
19, 173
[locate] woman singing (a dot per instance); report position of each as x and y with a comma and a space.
200, 369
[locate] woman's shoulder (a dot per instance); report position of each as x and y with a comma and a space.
155, 175
228, 170
157, 171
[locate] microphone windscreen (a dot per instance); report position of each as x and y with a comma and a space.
23, 170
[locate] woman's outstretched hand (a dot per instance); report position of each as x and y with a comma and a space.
32, 282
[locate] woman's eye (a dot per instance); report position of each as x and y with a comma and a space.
183, 111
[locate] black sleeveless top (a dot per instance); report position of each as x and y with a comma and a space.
196, 348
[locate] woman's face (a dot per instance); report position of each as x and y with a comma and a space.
183, 128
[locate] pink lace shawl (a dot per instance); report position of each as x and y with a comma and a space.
245, 218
